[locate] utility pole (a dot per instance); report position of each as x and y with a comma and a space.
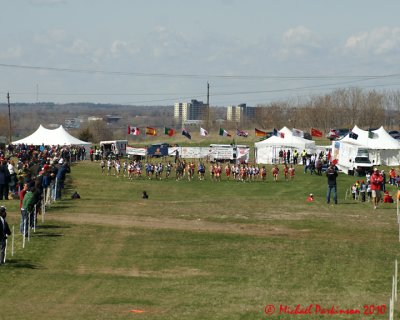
208, 107
9, 119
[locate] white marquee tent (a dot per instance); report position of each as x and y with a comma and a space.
267, 151
51, 137
382, 148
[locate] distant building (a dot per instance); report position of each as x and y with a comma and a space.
111, 118
192, 123
194, 110
240, 113
181, 112
72, 123
94, 118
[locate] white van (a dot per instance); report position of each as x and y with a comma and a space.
113, 147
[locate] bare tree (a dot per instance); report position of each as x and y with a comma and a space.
100, 131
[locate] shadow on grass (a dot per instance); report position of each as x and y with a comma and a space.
48, 235
48, 226
59, 206
23, 264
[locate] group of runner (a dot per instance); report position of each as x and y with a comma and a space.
136, 169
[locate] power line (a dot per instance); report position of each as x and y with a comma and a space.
172, 75
193, 94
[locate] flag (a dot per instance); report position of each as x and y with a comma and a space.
133, 131
278, 133
169, 131
203, 132
260, 133
242, 133
353, 135
224, 133
151, 131
371, 134
297, 133
316, 133
186, 134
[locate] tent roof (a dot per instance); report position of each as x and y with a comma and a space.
287, 141
381, 140
51, 137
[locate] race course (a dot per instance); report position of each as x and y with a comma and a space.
200, 250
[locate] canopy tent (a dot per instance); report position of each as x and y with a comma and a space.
267, 151
376, 140
382, 148
51, 137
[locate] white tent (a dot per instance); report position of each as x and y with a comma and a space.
375, 140
51, 137
382, 148
267, 151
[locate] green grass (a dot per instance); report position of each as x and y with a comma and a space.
199, 250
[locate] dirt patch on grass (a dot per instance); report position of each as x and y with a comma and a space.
197, 225
134, 272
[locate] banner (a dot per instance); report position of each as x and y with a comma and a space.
353, 135
260, 133
133, 131
297, 133
203, 132
224, 133
151, 131
169, 131
190, 152
316, 133
136, 151
278, 133
186, 134
214, 152
242, 133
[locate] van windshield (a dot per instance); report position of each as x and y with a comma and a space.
362, 160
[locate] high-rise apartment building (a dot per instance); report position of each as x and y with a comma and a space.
194, 110
240, 113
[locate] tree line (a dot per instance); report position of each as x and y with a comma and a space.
341, 108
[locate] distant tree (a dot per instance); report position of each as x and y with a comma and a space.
85, 135
374, 112
100, 131
273, 115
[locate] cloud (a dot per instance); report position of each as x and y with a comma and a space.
117, 47
47, 2
163, 42
298, 35
50, 37
79, 47
299, 41
380, 41
11, 53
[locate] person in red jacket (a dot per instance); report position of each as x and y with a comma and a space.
376, 184
387, 198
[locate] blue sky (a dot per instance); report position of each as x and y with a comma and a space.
158, 52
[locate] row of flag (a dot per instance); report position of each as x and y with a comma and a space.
354, 135
149, 131
295, 132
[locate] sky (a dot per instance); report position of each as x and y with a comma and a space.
158, 52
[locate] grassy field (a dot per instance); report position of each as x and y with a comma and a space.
199, 250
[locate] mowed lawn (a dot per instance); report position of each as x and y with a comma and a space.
199, 250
